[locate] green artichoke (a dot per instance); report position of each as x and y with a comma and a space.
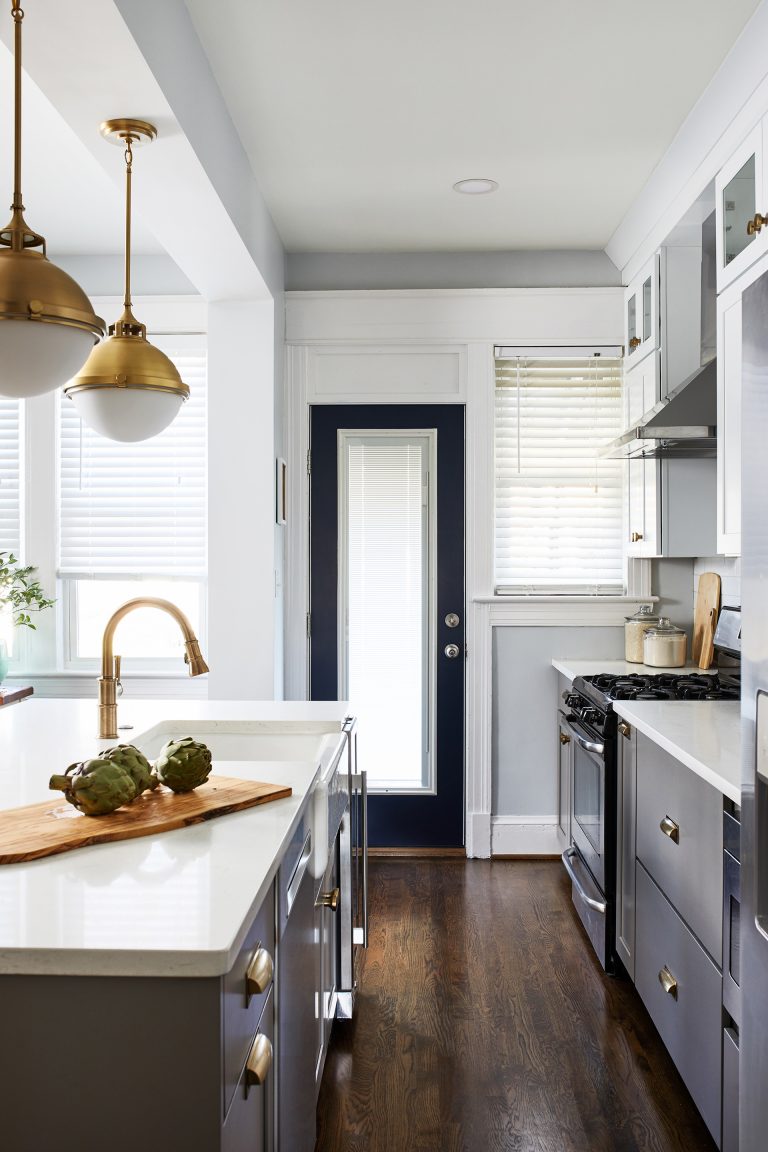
95, 787
135, 764
183, 764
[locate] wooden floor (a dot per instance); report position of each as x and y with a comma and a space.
485, 1024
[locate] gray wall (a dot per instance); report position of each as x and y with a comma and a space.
346, 271
525, 702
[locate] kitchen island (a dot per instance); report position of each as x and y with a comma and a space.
133, 973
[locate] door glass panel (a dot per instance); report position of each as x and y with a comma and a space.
631, 322
738, 210
647, 321
386, 625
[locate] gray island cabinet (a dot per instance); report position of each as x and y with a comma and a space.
148, 986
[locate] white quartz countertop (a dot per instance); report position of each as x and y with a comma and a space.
705, 735
571, 668
178, 903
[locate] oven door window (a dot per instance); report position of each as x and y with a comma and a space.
589, 809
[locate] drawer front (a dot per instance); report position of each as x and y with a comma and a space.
689, 1018
687, 865
249, 1126
241, 1010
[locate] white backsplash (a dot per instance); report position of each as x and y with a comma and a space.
729, 570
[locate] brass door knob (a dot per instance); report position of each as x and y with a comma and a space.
636, 536
564, 739
329, 900
259, 1061
260, 971
635, 342
754, 225
669, 828
668, 982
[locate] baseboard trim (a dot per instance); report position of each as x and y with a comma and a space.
523, 856
392, 853
521, 836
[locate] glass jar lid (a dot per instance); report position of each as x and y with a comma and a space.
665, 628
644, 614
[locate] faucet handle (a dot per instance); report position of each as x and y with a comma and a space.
117, 676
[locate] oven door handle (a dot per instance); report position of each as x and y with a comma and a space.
587, 745
599, 906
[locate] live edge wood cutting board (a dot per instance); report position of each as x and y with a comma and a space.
51, 827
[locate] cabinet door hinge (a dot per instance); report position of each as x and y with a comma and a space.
309, 625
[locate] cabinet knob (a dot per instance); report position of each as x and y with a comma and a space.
329, 900
754, 226
669, 828
668, 982
260, 972
259, 1061
636, 536
625, 730
635, 342
564, 738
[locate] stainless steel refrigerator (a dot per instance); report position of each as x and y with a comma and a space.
753, 1061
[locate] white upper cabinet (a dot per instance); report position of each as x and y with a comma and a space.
641, 314
741, 203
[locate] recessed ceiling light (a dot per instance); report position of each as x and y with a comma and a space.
475, 186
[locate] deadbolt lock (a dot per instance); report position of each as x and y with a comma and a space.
453, 620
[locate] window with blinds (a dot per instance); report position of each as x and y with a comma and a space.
558, 504
10, 475
133, 522
138, 509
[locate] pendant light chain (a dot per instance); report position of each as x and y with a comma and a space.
128, 171
18, 15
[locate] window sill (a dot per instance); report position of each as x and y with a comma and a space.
541, 598
559, 611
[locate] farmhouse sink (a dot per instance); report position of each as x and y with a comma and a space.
255, 742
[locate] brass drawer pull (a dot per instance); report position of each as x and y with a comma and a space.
625, 730
669, 828
329, 899
260, 971
564, 738
668, 982
259, 1061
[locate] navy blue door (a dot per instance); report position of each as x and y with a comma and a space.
431, 817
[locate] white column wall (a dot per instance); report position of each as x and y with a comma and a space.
241, 494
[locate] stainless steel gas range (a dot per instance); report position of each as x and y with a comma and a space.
592, 726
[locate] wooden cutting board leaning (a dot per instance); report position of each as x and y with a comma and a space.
705, 619
52, 827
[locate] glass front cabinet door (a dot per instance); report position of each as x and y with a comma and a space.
742, 209
641, 314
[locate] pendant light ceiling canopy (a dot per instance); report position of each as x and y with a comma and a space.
127, 390
47, 324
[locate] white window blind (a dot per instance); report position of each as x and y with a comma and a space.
10, 475
138, 509
558, 515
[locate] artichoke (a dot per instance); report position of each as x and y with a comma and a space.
134, 763
95, 787
183, 764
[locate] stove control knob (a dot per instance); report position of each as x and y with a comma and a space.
591, 715
572, 699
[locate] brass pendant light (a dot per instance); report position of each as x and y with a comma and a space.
47, 324
127, 390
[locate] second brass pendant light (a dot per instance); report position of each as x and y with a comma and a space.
128, 389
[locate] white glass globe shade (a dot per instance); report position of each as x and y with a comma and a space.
37, 357
127, 414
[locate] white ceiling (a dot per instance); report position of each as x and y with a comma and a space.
68, 196
358, 117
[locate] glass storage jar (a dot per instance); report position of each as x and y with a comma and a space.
664, 645
634, 631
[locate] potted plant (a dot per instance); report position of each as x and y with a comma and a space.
20, 594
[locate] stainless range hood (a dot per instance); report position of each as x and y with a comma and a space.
683, 424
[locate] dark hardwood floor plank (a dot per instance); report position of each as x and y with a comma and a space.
485, 1024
